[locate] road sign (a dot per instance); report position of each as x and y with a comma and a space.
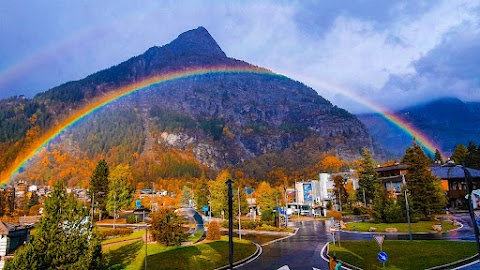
379, 239
382, 256
205, 208
138, 203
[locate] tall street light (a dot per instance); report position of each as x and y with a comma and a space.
407, 207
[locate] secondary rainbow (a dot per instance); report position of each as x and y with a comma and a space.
114, 95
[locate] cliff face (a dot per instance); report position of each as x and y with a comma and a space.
223, 118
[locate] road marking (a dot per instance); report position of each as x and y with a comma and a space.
285, 267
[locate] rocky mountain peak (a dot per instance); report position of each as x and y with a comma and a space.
196, 41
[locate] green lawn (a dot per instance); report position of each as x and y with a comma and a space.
200, 256
408, 255
421, 226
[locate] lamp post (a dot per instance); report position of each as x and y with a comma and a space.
114, 208
230, 222
239, 216
407, 207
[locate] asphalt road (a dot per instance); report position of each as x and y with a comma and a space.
303, 250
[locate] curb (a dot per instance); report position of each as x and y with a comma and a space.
326, 257
280, 239
244, 261
457, 264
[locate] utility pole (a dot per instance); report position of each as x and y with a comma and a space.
114, 208
239, 215
230, 222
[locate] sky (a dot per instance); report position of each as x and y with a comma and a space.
393, 54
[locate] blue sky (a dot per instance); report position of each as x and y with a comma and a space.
392, 53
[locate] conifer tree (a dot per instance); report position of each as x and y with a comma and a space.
186, 199
426, 196
98, 188
201, 194
64, 238
459, 154
472, 160
119, 190
367, 177
438, 157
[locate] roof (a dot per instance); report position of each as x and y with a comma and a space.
401, 166
8, 227
452, 171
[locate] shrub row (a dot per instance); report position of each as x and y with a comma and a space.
115, 232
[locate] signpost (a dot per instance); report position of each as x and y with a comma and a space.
382, 256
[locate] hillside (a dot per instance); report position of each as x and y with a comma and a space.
207, 121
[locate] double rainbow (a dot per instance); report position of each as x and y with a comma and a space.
112, 96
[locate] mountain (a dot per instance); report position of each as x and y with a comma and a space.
447, 121
255, 122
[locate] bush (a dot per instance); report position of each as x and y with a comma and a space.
360, 211
335, 214
131, 219
213, 232
268, 216
393, 213
115, 232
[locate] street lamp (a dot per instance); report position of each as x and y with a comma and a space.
407, 207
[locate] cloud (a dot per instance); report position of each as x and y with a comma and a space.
375, 49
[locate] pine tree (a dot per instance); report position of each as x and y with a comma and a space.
98, 188
472, 160
367, 177
425, 193
201, 194
64, 238
186, 199
438, 157
459, 154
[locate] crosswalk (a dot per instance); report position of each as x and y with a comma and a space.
285, 267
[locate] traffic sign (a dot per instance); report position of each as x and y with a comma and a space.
379, 239
205, 208
382, 256
138, 203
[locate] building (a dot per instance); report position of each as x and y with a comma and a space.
12, 236
454, 184
392, 177
452, 177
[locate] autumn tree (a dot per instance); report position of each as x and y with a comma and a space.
213, 232
367, 177
98, 188
425, 192
265, 196
64, 238
167, 228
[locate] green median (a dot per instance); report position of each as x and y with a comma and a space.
421, 226
408, 255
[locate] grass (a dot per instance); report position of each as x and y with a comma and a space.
421, 226
205, 255
408, 255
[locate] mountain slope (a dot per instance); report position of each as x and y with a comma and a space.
222, 119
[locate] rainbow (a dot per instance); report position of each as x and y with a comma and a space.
428, 144
114, 95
